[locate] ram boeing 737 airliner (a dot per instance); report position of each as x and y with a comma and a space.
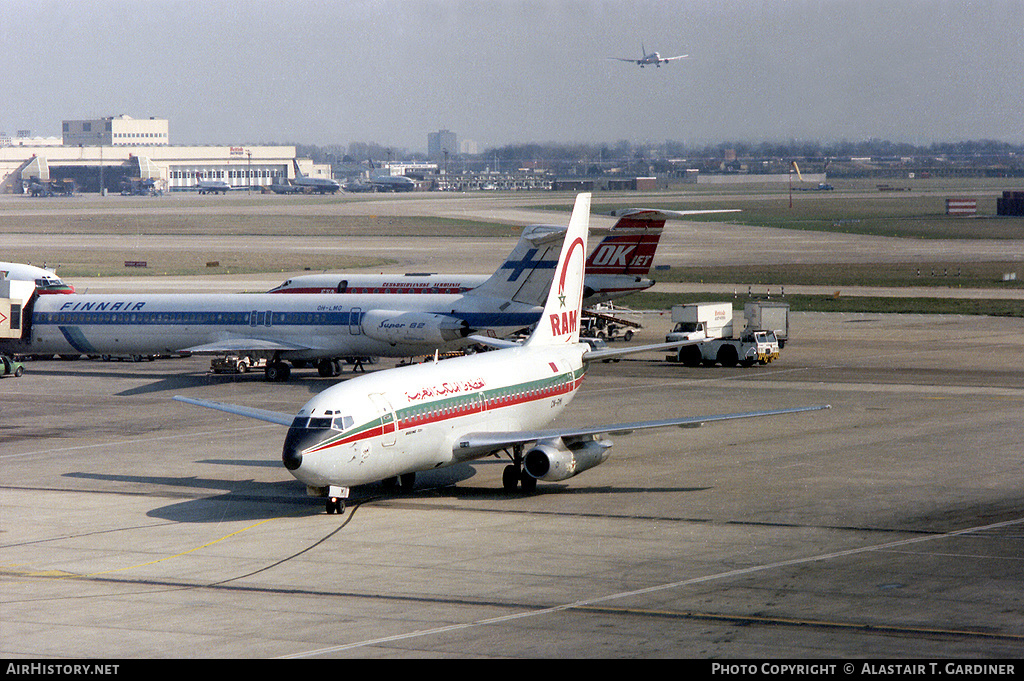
392, 424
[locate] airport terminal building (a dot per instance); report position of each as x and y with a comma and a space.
110, 154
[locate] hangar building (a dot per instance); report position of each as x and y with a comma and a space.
105, 154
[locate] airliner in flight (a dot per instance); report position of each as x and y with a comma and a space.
389, 425
652, 58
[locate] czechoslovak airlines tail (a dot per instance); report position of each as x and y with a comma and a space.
560, 322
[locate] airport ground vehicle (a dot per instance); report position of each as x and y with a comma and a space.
701, 320
10, 366
714, 321
597, 344
610, 322
235, 364
768, 315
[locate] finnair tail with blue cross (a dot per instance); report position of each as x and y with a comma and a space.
389, 425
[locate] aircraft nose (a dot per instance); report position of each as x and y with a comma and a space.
292, 457
299, 439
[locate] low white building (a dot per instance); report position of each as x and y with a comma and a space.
177, 168
108, 153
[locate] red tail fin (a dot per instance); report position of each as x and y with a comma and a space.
631, 253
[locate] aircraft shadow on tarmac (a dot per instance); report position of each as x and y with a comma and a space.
251, 500
470, 492
239, 499
162, 381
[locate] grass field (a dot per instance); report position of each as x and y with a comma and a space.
857, 207
840, 303
938, 274
243, 223
854, 207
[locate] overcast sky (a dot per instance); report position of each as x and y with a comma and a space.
506, 71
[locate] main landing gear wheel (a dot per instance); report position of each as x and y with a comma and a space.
277, 371
513, 475
335, 505
510, 478
328, 368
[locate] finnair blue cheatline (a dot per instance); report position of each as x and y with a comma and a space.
307, 327
391, 424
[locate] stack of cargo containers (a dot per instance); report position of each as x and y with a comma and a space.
1011, 203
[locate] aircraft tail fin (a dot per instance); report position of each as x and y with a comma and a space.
525, 276
630, 245
560, 322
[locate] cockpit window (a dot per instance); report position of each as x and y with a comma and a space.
323, 422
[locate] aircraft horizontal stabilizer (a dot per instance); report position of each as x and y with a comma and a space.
493, 342
544, 235
252, 412
476, 442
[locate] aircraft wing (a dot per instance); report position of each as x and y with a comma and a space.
277, 417
593, 355
632, 61
682, 56
491, 441
657, 213
610, 353
239, 345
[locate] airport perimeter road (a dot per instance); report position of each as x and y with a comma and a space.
890, 525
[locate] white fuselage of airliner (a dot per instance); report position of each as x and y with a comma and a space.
300, 327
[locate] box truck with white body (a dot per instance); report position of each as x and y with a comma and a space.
714, 322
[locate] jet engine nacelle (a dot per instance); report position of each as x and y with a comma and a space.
395, 326
553, 461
